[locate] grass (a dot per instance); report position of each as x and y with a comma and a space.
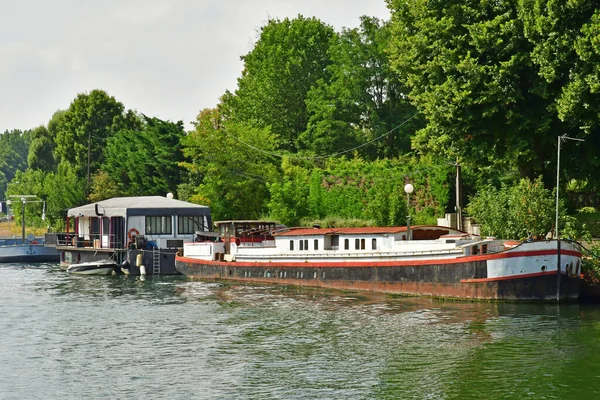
11, 228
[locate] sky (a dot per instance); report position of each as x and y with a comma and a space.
164, 58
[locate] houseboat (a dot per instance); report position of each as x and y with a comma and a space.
423, 260
140, 234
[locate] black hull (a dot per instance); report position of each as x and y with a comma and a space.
466, 280
42, 258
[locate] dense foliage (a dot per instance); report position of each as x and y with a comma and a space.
329, 126
521, 211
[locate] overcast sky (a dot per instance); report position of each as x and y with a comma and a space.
164, 58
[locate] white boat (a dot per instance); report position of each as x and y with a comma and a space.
101, 267
425, 260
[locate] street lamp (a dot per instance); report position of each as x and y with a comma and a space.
408, 188
560, 139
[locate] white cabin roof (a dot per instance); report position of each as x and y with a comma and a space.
140, 205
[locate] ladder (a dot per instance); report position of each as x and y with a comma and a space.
155, 261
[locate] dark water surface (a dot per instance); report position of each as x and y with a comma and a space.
68, 337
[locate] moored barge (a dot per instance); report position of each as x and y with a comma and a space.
425, 260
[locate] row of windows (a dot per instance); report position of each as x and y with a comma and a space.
359, 244
162, 225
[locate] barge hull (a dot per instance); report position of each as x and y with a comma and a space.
451, 279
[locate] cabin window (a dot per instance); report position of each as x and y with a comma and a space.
301, 245
291, 245
335, 242
362, 244
189, 224
106, 226
346, 244
305, 244
316, 244
356, 244
94, 227
159, 225
374, 244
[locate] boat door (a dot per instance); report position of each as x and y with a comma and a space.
118, 232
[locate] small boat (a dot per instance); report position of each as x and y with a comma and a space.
423, 260
101, 267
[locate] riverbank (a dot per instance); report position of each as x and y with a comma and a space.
11, 228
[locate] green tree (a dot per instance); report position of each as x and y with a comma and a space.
41, 150
85, 127
14, 146
514, 212
469, 68
230, 160
289, 57
60, 190
360, 98
145, 161
566, 53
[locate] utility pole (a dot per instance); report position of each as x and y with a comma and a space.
459, 219
558, 272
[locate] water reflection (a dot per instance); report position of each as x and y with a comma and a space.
168, 337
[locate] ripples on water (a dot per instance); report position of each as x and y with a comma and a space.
118, 337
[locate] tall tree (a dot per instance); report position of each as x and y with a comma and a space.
362, 99
85, 127
289, 57
566, 53
470, 72
146, 161
41, 150
14, 146
231, 162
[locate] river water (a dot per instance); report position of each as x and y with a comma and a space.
70, 337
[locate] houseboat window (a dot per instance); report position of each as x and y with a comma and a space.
316, 244
335, 242
356, 244
362, 244
94, 227
158, 225
189, 224
106, 226
291, 245
346, 244
301, 245
305, 244
374, 244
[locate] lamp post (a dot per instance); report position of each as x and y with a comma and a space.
560, 139
408, 188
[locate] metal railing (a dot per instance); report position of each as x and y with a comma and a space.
89, 241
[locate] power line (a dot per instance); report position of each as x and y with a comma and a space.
318, 157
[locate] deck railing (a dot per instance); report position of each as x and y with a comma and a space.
89, 241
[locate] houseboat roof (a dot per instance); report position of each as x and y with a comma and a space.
140, 205
369, 230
